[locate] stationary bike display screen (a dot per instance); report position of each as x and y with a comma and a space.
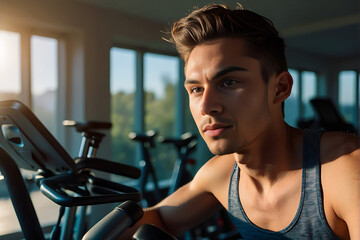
28, 141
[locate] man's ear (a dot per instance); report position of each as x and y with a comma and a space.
284, 84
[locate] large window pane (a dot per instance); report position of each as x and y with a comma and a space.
160, 76
347, 95
44, 80
9, 65
292, 104
308, 87
44, 85
44, 75
122, 87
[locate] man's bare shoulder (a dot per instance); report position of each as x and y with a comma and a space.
340, 172
221, 160
340, 155
338, 146
214, 176
217, 167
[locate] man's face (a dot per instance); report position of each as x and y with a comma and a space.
227, 95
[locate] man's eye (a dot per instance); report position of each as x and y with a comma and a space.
229, 82
195, 89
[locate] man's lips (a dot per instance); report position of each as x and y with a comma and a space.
214, 130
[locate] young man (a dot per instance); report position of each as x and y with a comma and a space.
277, 182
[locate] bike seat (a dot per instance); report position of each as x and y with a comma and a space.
87, 126
183, 140
147, 137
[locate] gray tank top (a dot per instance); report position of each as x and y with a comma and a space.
309, 221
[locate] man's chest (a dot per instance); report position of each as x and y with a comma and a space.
274, 209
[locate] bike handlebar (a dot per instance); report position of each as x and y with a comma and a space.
55, 189
187, 140
108, 166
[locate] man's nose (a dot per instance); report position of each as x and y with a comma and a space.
210, 102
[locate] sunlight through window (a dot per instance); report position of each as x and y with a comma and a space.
10, 85
44, 80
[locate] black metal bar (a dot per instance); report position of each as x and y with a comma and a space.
20, 198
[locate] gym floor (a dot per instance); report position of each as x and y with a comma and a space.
9, 222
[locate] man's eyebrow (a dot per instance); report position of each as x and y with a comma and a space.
227, 70
218, 74
190, 81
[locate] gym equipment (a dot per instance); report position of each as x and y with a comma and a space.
116, 222
75, 217
90, 137
329, 117
185, 145
150, 232
119, 220
26, 143
147, 141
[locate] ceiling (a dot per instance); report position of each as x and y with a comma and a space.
327, 28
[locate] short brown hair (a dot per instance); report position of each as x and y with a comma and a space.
218, 21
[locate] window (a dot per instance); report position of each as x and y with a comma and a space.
348, 102
122, 87
152, 78
292, 103
10, 85
308, 90
161, 73
39, 91
298, 106
44, 80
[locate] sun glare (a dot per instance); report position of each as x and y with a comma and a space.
9, 62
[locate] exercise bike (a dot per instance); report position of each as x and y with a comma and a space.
26, 143
147, 141
185, 145
91, 137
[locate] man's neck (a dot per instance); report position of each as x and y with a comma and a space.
272, 157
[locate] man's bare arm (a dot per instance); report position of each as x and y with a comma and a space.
348, 205
151, 216
187, 207
342, 185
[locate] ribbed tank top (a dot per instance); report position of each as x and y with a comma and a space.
309, 221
